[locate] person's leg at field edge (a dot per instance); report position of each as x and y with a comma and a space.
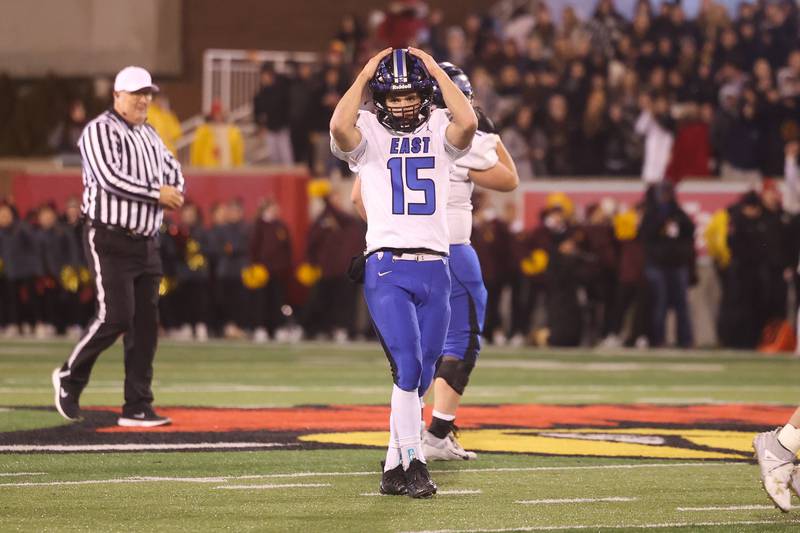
468, 299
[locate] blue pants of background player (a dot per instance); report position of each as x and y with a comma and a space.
467, 304
409, 302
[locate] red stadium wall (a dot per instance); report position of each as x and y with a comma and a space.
204, 188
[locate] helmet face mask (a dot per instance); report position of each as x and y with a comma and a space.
399, 76
405, 108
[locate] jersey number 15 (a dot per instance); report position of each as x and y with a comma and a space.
408, 177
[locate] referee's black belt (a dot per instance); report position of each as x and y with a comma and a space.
117, 229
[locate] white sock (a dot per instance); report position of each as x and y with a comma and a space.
421, 415
789, 437
443, 416
393, 453
405, 414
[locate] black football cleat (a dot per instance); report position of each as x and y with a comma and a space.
66, 400
393, 482
418, 481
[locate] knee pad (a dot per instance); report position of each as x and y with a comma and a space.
455, 372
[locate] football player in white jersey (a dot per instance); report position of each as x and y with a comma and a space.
488, 164
403, 153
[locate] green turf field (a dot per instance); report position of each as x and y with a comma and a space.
603, 441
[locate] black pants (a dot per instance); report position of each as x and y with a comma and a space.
8, 302
270, 299
493, 320
231, 303
192, 299
126, 272
525, 295
318, 316
631, 295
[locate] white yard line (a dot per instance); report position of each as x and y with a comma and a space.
17, 448
222, 479
509, 469
455, 492
353, 389
578, 500
555, 364
218, 479
81, 482
662, 525
597, 467
211, 389
726, 508
277, 486
21, 474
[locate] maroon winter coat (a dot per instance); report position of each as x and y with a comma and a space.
631, 262
271, 246
492, 243
333, 239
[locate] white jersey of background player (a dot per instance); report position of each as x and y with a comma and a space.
489, 165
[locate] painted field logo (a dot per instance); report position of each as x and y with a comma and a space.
606, 430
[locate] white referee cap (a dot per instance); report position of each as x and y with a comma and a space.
132, 79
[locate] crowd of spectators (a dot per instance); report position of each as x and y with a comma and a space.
652, 94
608, 274
601, 274
223, 277
658, 95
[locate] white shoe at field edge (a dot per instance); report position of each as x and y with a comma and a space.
260, 336
610, 342
776, 465
184, 333
201, 332
340, 336
517, 341
11, 331
74, 332
499, 338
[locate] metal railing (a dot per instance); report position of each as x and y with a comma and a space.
232, 77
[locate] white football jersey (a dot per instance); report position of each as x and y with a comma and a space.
404, 182
481, 156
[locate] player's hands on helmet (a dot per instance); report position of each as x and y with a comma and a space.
372, 65
427, 59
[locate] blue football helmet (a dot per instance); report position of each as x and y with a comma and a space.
400, 72
459, 78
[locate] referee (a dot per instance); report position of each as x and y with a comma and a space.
129, 178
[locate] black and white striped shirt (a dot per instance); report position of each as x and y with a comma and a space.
124, 168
